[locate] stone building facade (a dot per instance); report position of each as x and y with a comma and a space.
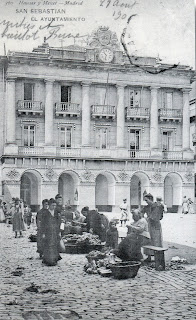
84, 122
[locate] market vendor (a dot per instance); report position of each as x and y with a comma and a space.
86, 213
78, 223
112, 235
154, 212
138, 235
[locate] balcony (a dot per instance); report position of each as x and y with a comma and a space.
140, 154
31, 151
92, 153
170, 115
72, 152
67, 109
26, 107
173, 155
137, 113
103, 112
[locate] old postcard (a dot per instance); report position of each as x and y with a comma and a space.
97, 146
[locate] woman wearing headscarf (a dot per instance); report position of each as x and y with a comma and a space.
50, 226
137, 236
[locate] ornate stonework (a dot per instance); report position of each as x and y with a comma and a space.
87, 175
13, 174
50, 174
123, 175
104, 37
157, 176
189, 176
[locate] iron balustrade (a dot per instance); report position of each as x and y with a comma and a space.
31, 150
103, 110
68, 107
138, 112
29, 105
140, 154
173, 155
69, 152
170, 113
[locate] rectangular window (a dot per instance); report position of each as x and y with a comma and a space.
168, 100
65, 137
134, 98
28, 91
103, 96
65, 94
29, 135
167, 143
134, 139
101, 138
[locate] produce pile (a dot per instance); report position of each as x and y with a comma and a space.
98, 263
84, 239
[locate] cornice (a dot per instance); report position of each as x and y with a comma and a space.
45, 59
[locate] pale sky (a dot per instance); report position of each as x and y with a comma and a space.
161, 27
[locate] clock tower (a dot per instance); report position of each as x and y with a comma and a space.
105, 45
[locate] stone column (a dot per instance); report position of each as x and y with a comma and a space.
154, 136
86, 114
186, 120
10, 112
49, 113
120, 116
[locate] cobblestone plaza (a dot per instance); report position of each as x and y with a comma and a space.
151, 295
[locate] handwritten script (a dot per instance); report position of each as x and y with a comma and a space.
24, 30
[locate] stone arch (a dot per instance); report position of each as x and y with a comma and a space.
30, 188
139, 184
68, 182
105, 189
173, 190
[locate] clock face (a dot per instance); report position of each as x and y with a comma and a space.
106, 55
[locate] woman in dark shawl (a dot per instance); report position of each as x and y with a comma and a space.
50, 226
39, 230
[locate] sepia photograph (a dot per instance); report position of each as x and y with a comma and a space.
98, 151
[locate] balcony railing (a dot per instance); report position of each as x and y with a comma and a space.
140, 154
173, 155
103, 111
170, 114
31, 150
30, 107
137, 113
67, 109
96, 153
72, 152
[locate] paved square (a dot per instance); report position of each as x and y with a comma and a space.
151, 295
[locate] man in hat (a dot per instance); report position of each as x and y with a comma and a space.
124, 212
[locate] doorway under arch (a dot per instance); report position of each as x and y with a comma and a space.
67, 187
139, 184
173, 191
104, 191
30, 189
